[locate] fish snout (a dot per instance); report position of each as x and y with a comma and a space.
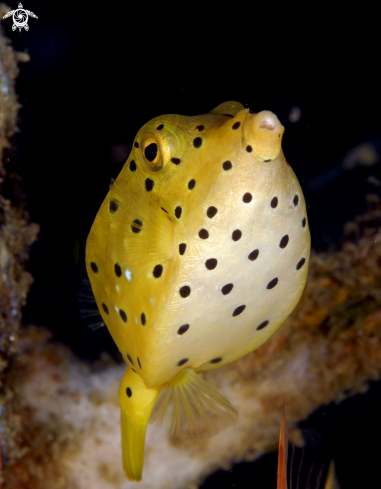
263, 135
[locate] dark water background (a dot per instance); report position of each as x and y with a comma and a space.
98, 73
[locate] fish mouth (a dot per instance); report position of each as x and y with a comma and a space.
263, 135
268, 121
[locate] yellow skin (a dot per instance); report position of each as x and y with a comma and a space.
197, 255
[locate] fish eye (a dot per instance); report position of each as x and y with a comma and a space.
155, 150
150, 152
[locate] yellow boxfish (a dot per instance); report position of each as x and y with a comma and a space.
196, 257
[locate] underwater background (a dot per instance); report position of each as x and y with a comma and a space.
96, 75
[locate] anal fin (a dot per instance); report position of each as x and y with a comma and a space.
195, 409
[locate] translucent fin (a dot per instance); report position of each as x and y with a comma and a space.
88, 309
228, 108
195, 408
136, 403
282, 454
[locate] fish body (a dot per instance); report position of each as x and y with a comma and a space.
197, 255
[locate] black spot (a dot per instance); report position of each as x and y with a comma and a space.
105, 308
140, 365
253, 255
118, 270
249, 149
272, 283
211, 263
191, 184
304, 222
274, 202
236, 125
123, 315
200, 127
176, 161
159, 128
149, 184
150, 152
183, 329
228, 115
203, 233
136, 144
247, 197
211, 212
185, 291
227, 165
238, 310
236, 235
143, 318
262, 325
216, 360
296, 200
266, 161
157, 271
135, 229
226, 289
284, 241
94, 267
182, 362
182, 248
301, 262
178, 212
130, 359
129, 392
113, 206
197, 142
133, 165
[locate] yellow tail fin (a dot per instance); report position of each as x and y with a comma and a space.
136, 403
197, 409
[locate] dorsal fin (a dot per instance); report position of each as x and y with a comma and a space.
282, 454
228, 108
331, 481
